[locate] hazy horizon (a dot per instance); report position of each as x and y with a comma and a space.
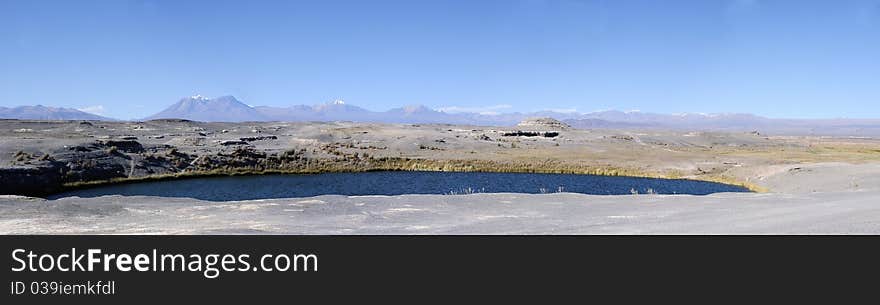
563, 114
130, 59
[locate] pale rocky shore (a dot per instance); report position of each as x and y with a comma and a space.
811, 184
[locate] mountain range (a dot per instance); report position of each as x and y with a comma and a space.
230, 109
40, 112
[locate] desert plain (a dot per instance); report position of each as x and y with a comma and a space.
801, 184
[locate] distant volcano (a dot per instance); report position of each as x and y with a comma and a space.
199, 108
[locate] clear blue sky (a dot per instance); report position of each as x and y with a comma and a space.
798, 58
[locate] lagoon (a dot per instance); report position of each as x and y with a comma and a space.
233, 188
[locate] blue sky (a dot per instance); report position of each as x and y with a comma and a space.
129, 59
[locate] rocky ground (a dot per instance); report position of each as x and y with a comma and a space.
814, 184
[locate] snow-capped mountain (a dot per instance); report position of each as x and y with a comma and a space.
229, 109
199, 108
334, 111
424, 115
40, 112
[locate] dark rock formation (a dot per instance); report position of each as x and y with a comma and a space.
29, 180
260, 138
232, 142
95, 161
128, 146
520, 133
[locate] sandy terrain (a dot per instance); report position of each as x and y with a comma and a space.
812, 184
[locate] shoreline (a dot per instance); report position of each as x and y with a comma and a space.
208, 174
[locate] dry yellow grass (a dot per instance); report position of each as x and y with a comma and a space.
548, 166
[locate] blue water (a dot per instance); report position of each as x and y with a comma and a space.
397, 183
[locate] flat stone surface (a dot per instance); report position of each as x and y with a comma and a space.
853, 212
